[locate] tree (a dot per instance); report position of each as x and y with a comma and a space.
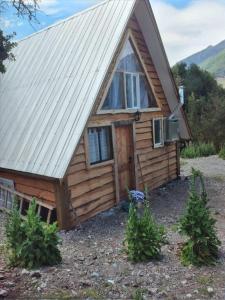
24, 8
202, 245
205, 103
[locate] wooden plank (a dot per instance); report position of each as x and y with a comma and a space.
91, 185
34, 192
85, 175
78, 159
85, 209
98, 210
93, 195
144, 136
76, 168
144, 144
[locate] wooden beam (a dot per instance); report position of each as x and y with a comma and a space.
64, 217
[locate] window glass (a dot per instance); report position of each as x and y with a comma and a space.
158, 132
129, 90
128, 60
115, 96
100, 144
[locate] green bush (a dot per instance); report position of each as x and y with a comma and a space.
222, 153
197, 224
143, 237
31, 243
198, 150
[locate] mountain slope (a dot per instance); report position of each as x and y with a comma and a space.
215, 64
211, 59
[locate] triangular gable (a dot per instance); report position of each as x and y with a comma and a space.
47, 95
129, 87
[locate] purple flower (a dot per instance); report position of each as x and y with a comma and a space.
137, 196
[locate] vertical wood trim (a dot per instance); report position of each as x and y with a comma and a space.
62, 206
178, 158
135, 155
86, 147
116, 175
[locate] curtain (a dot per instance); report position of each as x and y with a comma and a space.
115, 96
129, 90
94, 153
105, 143
144, 96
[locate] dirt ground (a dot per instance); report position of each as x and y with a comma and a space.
95, 265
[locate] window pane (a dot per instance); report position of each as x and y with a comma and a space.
128, 60
94, 153
105, 143
100, 144
146, 96
157, 133
129, 90
115, 96
135, 90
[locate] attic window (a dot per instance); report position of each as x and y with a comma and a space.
129, 88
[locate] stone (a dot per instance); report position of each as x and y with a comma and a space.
110, 281
43, 285
210, 290
9, 284
2, 276
184, 282
35, 274
3, 293
189, 296
25, 272
153, 291
95, 274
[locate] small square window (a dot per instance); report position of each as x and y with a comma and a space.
100, 144
158, 131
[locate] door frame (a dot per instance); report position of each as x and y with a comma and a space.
115, 124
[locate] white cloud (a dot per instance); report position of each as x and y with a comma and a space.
190, 29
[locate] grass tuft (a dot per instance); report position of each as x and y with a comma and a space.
198, 150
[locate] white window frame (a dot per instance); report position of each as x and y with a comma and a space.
157, 108
101, 162
162, 135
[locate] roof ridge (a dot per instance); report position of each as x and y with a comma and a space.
65, 20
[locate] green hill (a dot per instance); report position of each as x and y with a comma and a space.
211, 59
215, 64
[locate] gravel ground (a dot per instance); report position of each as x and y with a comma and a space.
95, 265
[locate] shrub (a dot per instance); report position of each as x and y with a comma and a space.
198, 225
31, 243
222, 153
143, 237
198, 150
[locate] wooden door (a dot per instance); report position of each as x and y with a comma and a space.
125, 159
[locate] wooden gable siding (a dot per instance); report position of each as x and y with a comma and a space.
93, 189
34, 187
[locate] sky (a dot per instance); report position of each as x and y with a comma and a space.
186, 26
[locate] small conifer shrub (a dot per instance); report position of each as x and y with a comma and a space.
222, 153
31, 243
201, 247
143, 238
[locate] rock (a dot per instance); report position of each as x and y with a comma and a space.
2, 277
9, 284
25, 272
153, 291
3, 293
95, 274
110, 281
184, 282
43, 285
35, 274
210, 290
189, 296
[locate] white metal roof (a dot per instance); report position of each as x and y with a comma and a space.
47, 94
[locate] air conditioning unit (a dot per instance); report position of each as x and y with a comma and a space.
171, 129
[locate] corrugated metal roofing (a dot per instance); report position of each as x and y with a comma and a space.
47, 94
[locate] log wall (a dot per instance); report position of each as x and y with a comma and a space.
34, 187
93, 188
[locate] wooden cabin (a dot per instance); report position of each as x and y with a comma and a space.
88, 109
